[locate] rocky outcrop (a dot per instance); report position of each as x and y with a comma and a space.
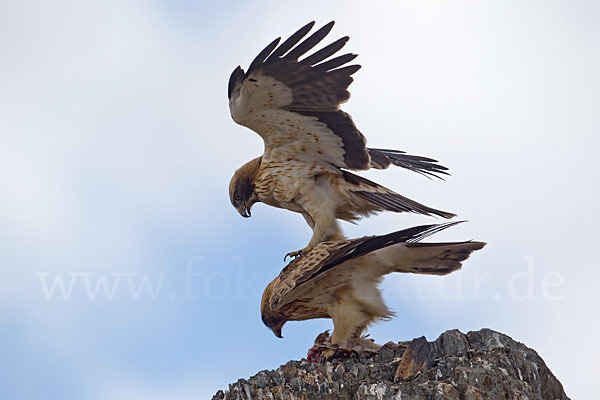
479, 365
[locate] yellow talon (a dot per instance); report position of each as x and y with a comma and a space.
294, 254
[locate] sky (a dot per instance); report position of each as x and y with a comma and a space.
127, 274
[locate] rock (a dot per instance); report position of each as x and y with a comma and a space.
482, 365
417, 358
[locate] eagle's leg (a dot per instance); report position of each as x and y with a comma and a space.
297, 253
349, 320
324, 225
324, 350
326, 230
309, 220
316, 239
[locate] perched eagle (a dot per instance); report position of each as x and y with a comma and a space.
339, 279
310, 144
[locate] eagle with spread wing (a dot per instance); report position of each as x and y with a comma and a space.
339, 279
310, 143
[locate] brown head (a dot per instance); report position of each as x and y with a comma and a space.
241, 187
272, 319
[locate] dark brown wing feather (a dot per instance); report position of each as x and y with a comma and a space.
382, 198
319, 85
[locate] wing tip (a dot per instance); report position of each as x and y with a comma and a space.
237, 76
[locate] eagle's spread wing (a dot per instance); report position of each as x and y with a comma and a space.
294, 105
327, 255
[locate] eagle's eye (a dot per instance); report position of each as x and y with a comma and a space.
237, 196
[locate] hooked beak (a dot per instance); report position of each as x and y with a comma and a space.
277, 332
245, 211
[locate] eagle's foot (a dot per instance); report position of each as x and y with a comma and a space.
323, 353
295, 254
324, 350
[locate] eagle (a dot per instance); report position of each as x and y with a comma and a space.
339, 280
311, 145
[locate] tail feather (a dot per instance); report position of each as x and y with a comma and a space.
382, 158
438, 258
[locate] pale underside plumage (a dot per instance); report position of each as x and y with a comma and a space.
339, 280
